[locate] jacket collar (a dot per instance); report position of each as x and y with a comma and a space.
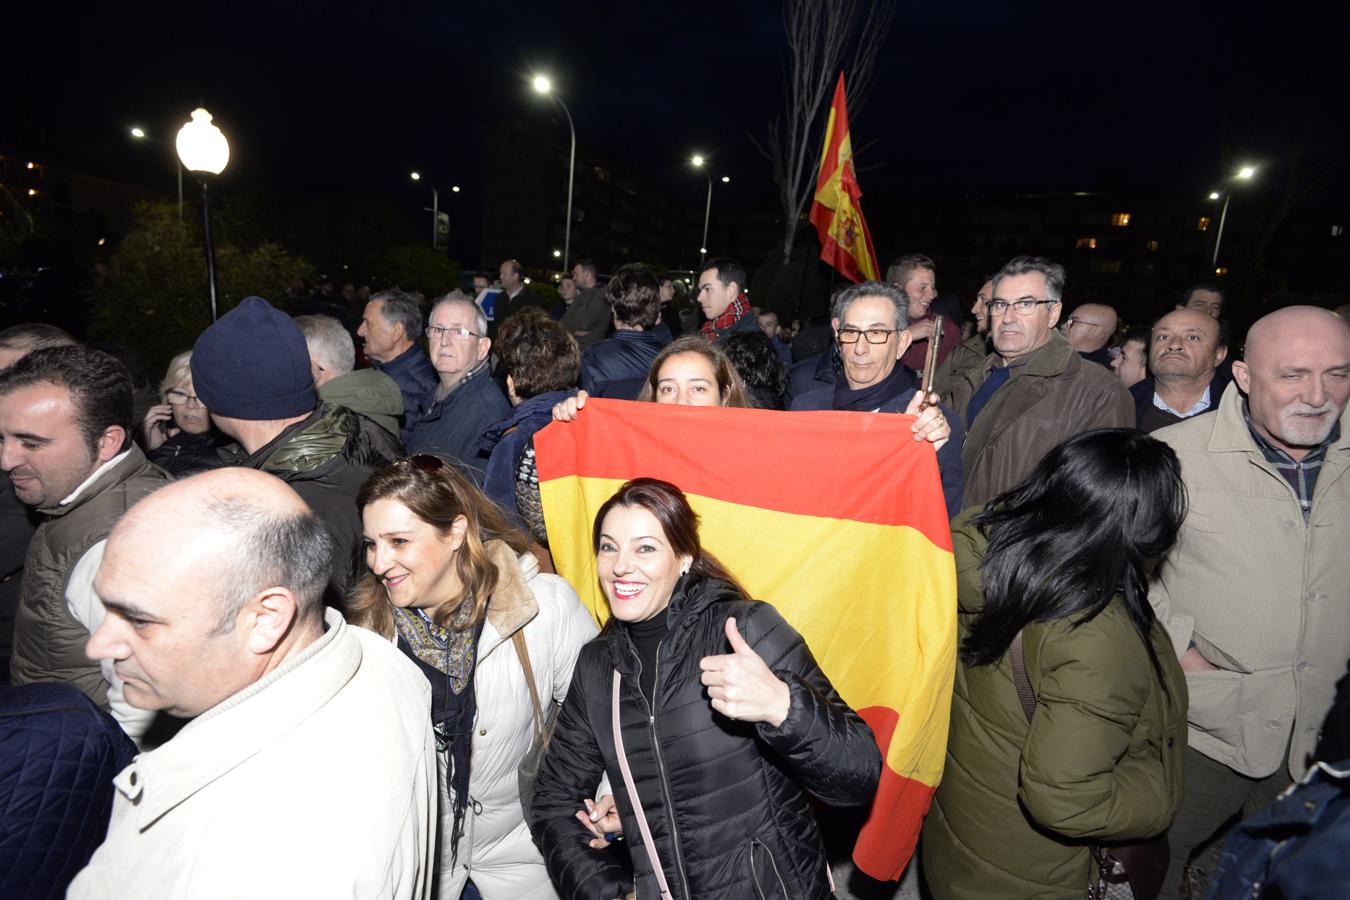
512, 605
408, 359
241, 726
119, 473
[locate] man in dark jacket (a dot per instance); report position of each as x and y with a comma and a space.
588, 315
252, 370
65, 426
1033, 392
617, 366
467, 402
721, 294
1186, 348
391, 329
515, 294
869, 322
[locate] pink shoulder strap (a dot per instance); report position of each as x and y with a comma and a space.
633, 794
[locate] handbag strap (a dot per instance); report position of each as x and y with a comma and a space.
641, 817
523, 653
1025, 695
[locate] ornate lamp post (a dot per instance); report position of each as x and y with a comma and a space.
203, 149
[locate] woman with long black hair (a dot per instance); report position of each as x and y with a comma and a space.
1069, 716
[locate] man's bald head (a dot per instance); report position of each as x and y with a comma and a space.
1090, 327
1296, 375
210, 583
237, 531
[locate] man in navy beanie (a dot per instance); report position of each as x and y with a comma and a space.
251, 370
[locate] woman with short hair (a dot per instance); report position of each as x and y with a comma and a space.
179, 437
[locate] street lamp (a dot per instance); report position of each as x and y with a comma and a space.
138, 134
435, 208
203, 149
698, 162
542, 85
1244, 174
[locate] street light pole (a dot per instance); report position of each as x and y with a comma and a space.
707, 214
543, 85
203, 148
1244, 174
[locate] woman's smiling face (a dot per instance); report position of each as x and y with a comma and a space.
638, 568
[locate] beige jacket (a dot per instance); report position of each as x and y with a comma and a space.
317, 781
1265, 597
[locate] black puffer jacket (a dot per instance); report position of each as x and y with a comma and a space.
726, 801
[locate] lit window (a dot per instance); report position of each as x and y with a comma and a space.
1202, 224
1120, 219
1152, 246
1086, 243
1221, 270
1337, 230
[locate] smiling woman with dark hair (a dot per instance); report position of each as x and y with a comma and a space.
1069, 715
725, 727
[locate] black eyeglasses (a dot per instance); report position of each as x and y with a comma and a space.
874, 335
180, 398
1023, 306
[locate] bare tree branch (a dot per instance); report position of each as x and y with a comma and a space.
820, 35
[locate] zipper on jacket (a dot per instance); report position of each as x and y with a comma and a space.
661, 766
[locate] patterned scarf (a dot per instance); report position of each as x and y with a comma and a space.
739, 307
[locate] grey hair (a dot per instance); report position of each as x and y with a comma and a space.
898, 272
179, 371
1025, 265
330, 344
844, 299
400, 308
294, 550
480, 321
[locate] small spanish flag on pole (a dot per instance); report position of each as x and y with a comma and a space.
845, 242
837, 519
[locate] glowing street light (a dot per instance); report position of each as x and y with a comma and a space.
138, 133
203, 149
543, 85
698, 161
557, 254
1246, 173
454, 188
415, 176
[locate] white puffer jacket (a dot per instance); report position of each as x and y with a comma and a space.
496, 850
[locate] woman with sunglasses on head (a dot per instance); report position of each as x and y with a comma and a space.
450, 582
178, 433
726, 728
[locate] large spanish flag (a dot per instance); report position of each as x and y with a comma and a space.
836, 211
838, 519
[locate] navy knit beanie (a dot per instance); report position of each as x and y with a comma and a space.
252, 363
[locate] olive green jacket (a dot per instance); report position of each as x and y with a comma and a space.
1102, 760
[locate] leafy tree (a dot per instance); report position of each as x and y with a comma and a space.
155, 299
412, 267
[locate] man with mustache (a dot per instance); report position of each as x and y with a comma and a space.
1256, 591
1034, 391
1184, 353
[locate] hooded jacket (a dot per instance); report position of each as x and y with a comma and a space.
727, 801
369, 392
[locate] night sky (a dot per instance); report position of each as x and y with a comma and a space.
971, 96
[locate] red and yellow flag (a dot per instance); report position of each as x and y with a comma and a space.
837, 519
845, 242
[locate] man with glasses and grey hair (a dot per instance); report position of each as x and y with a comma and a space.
391, 328
466, 402
1034, 391
869, 322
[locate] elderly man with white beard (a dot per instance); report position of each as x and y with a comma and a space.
1256, 592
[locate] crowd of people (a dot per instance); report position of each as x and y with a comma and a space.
314, 604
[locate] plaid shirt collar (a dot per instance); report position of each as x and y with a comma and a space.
730, 316
1301, 474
